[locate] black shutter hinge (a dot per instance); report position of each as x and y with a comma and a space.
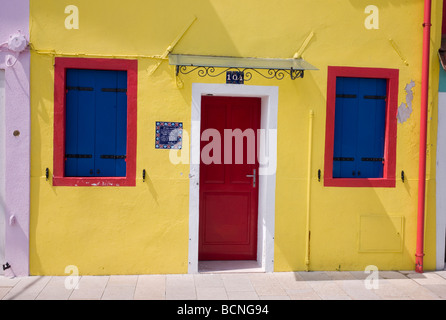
343, 159
80, 88
373, 159
346, 96
108, 156
79, 156
113, 90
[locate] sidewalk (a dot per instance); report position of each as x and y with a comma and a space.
232, 286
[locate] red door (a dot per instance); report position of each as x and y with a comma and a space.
229, 178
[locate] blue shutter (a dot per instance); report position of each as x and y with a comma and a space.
71, 126
121, 125
80, 115
346, 113
111, 123
371, 133
106, 107
96, 123
359, 128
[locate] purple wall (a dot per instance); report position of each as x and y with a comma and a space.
14, 16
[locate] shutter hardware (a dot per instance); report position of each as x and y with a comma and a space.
376, 97
80, 88
352, 96
113, 90
106, 156
373, 159
343, 159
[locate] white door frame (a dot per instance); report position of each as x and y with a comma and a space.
267, 170
441, 183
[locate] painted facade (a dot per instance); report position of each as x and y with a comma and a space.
148, 222
14, 137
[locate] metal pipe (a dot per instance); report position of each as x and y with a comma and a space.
308, 231
423, 137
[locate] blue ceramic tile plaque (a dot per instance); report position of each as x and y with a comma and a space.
169, 135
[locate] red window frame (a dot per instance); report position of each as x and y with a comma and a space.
61, 65
392, 76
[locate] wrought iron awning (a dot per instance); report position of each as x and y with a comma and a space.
267, 68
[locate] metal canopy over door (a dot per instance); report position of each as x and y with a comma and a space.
2, 169
229, 190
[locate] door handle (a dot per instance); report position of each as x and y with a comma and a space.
254, 177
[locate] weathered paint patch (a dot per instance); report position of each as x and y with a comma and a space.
405, 109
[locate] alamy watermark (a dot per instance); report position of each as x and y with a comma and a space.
72, 281
232, 146
72, 20
372, 281
372, 20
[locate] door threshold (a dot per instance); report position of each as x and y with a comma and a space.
230, 266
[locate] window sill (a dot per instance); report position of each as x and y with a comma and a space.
94, 182
357, 183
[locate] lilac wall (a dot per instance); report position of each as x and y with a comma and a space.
2, 168
14, 16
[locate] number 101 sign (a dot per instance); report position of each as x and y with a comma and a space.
235, 77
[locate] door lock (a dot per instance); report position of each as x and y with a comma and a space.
254, 177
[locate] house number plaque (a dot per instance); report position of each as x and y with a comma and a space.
235, 77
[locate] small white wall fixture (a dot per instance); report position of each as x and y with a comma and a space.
267, 171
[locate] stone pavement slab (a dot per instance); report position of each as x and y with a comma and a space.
180, 287
151, 287
120, 288
330, 285
55, 290
90, 288
4, 291
28, 288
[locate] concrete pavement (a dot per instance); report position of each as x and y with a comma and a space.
389, 285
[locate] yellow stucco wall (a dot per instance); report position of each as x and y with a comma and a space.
144, 229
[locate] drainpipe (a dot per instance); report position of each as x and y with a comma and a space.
423, 137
